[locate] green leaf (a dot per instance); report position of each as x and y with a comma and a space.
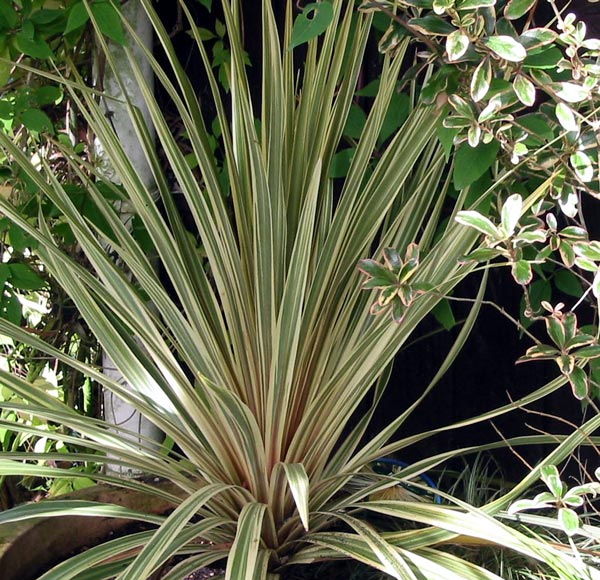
571, 92
11, 309
36, 48
37, 120
555, 330
481, 223
47, 95
579, 383
8, 15
507, 48
565, 117
569, 520
514, 9
109, 21
511, 213
536, 37
582, 165
376, 270
24, 278
78, 16
522, 272
474, 4
314, 20
589, 250
524, 90
551, 477
588, 352
457, 45
568, 283
444, 315
432, 25
482, 77
472, 162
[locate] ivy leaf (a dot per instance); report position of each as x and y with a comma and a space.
457, 44
507, 48
482, 77
109, 21
582, 165
516, 8
565, 117
313, 21
524, 90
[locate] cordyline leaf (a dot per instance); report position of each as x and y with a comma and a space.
506, 47
58, 508
482, 77
578, 380
522, 272
391, 560
569, 520
300, 486
514, 9
158, 549
478, 221
525, 90
511, 213
582, 165
245, 549
457, 45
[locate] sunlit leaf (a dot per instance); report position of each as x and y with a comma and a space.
525, 90
514, 9
480, 83
457, 44
582, 165
507, 48
478, 221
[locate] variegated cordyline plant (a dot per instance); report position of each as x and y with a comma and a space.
253, 355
